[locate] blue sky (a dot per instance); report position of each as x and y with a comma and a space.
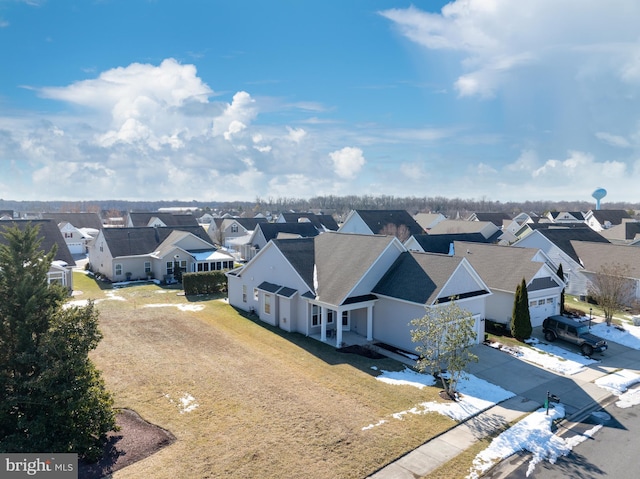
234, 100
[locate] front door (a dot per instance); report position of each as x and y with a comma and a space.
346, 321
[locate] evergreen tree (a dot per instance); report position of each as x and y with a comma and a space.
520, 317
52, 398
560, 275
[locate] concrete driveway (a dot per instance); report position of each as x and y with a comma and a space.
576, 392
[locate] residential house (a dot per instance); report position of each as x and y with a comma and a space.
234, 233
265, 232
429, 220
572, 217
488, 229
555, 242
154, 219
598, 258
320, 221
503, 268
497, 219
372, 222
77, 229
442, 243
124, 254
627, 232
599, 220
61, 270
348, 286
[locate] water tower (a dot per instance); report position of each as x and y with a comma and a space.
598, 194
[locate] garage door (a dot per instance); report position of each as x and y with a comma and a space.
75, 248
539, 309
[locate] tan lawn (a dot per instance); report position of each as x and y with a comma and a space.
269, 404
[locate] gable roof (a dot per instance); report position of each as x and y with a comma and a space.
319, 221
593, 256
501, 267
379, 220
495, 218
627, 231
577, 215
426, 220
248, 224
562, 237
342, 259
49, 234
143, 240
614, 217
79, 220
271, 230
441, 243
418, 277
299, 253
169, 219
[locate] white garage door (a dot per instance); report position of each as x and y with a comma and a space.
539, 309
75, 248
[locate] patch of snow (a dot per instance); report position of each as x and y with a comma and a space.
187, 403
629, 336
619, 381
181, 307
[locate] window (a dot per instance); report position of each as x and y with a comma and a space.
549, 300
267, 304
345, 318
256, 295
118, 269
244, 293
147, 266
169, 267
234, 228
330, 314
541, 302
315, 316
532, 304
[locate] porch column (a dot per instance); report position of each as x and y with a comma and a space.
338, 324
369, 323
323, 324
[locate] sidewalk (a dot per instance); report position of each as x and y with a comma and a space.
579, 395
439, 450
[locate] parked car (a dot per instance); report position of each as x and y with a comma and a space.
562, 327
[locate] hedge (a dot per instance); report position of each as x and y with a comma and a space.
210, 282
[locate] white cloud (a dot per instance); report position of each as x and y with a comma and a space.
241, 111
613, 140
498, 38
347, 162
296, 134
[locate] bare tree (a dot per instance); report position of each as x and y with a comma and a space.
612, 288
401, 232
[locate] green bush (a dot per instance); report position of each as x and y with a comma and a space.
211, 282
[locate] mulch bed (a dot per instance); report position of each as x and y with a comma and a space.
135, 440
362, 351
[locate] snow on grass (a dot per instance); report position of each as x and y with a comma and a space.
187, 403
476, 395
80, 303
627, 335
619, 383
181, 307
553, 358
533, 434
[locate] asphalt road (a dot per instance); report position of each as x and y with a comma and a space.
611, 452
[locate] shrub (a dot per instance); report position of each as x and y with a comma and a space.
211, 282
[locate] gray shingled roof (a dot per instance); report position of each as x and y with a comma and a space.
49, 234
495, 218
593, 256
143, 240
417, 277
271, 230
440, 243
318, 221
562, 237
378, 220
500, 267
299, 253
342, 259
79, 220
612, 216
169, 219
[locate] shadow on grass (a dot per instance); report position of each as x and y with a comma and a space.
328, 353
